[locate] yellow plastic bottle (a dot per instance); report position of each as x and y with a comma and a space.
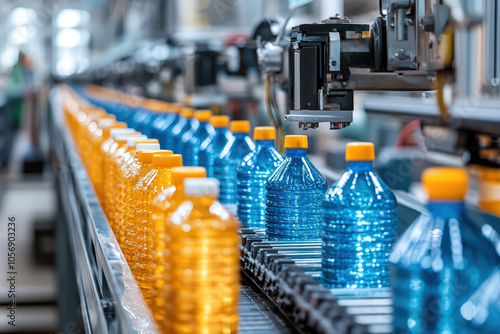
162, 206
132, 176
85, 116
146, 189
202, 265
120, 141
86, 145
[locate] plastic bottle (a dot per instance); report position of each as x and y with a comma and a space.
253, 174
146, 189
132, 176
86, 144
359, 225
489, 190
164, 124
440, 260
183, 125
294, 194
202, 265
161, 207
226, 164
193, 144
213, 145
188, 135
157, 110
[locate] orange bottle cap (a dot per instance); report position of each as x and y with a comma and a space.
146, 156
240, 126
119, 125
187, 112
360, 151
264, 133
219, 121
203, 115
445, 183
293, 141
167, 160
156, 105
181, 173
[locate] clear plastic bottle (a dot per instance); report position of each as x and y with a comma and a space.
359, 225
440, 260
164, 124
202, 265
192, 145
253, 174
213, 145
294, 194
161, 207
154, 182
132, 176
226, 164
183, 125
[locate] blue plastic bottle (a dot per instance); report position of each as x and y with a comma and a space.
213, 145
294, 194
140, 117
253, 174
192, 146
162, 127
183, 125
227, 162
440, 260
156, 110
359, 225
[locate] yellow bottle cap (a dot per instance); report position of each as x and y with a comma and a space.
187, 112
240, 126
489, 174
219, 121
296, 142
119, 125
167, 160
203, 115
360, 151
146, 156
156, 105
264, 133
445, 183
180, 173
174, 107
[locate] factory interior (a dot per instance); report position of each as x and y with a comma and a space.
249, 166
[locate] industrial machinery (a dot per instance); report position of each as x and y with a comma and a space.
414, 45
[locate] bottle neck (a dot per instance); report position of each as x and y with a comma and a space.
446, 210
220, 130
264, 143
295, 152
239, 135
360, 166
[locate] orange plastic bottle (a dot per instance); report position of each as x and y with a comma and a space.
146, 189
161, 207
202, 264
132, 176
85, 116
86, 145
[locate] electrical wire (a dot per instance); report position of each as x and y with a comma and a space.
273, 114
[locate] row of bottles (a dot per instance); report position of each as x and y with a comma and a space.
437, 264
180, 243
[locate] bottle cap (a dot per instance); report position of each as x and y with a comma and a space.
119, 125
201, 187
174, 107
180, 173
219, 121
156, 105
264, 133
445, 183
203, 115
359, 151
131, 141
147, 145
106, 123
296, 142
146, 155
240, 126
117, 131
167, 160
123, 137
187, 112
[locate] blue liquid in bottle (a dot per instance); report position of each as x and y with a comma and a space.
440, 260
359, 225
213, 146
294, 194
183, 125
253, 174
226, 164
187, 136
140, 118
162, 127
192, 146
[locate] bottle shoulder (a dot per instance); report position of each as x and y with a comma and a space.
191, 217
262, 160
297, 172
